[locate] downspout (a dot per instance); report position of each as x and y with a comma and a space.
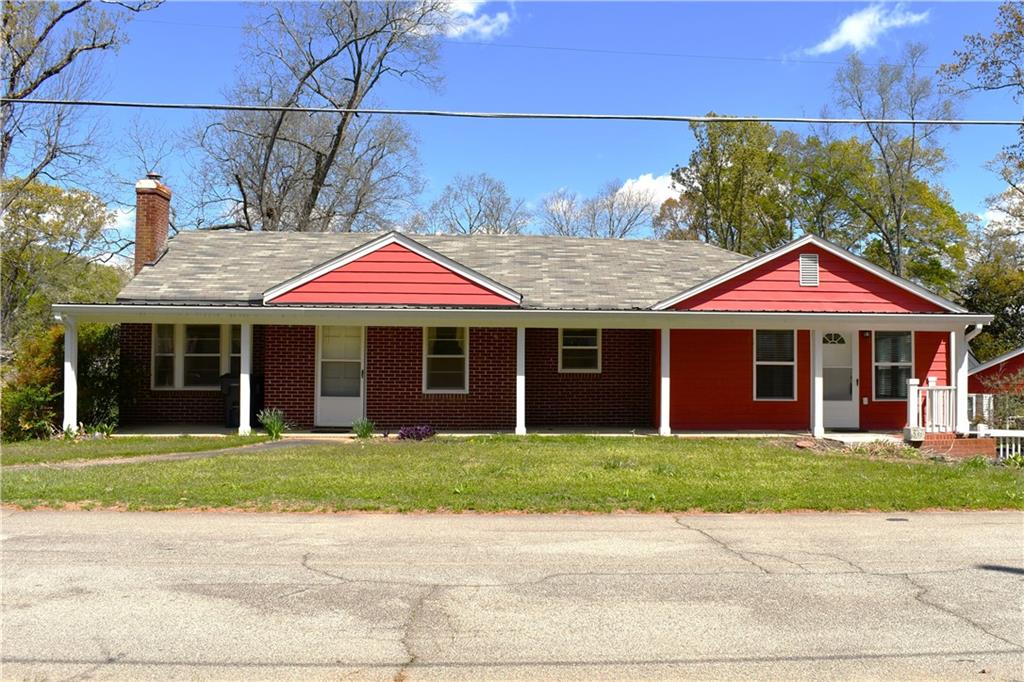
972, 331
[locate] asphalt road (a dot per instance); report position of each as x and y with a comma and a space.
93, 595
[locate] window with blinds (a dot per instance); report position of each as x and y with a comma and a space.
893, 364
775, 364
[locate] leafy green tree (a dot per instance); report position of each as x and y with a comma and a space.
734, 186
994, 284
54, 244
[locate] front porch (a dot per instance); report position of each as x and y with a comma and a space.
684, 379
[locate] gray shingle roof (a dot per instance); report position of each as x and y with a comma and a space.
550, 272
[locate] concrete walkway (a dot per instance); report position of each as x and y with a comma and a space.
167, 456
234, 596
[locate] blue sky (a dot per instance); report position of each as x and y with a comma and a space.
771, 59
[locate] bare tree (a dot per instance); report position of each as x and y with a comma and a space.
904, 156
478, 204
562, 214
617, 211
48, 52
340, 171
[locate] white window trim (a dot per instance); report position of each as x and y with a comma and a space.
443, 391
179, 359
874, 364
793, 364
561, 348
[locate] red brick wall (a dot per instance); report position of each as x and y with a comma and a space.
289, 372
619, 396
394, 382
142, 405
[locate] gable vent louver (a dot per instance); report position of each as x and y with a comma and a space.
808, 269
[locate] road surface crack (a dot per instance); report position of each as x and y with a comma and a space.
408, 633
921, 597
724, 545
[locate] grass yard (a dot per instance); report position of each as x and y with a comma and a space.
528, 474
46, 451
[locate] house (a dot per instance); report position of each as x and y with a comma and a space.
982, 377
516, 333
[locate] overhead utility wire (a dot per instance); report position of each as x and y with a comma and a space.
518, 115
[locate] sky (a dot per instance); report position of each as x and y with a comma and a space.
582, 57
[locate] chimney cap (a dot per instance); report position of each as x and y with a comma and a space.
153, 175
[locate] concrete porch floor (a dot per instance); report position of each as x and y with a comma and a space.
846, 437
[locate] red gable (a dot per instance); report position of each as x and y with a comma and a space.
394, 274
843, 286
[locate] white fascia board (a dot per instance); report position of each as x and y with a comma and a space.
514, 317
826, 245
379, 243
995, 361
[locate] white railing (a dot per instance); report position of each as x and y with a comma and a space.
931, 407
1009, 442
979, 407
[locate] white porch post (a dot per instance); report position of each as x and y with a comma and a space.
913, 404
521, 381
665, 420
958, 358
70, 373
817, 386
244, 387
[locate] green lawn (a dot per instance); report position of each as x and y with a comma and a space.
530, 474
39, 451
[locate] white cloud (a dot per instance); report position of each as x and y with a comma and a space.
863, 29
660, 187
468, 23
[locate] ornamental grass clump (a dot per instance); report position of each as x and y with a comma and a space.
416, 432
273, 422
363, 428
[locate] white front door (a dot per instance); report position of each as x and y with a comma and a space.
840, 378
339, 375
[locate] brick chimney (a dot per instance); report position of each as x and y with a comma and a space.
152, 218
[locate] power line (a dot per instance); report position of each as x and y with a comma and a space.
664, 118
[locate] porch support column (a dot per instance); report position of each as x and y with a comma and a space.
521, 381
70, 373
244, 386
664, 419
817, 385
958, 359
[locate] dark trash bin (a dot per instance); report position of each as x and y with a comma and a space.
230, 387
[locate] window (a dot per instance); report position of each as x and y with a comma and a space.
775, 364
235, 353
163, 355
194, 356
445, 356
579, 350
893, 360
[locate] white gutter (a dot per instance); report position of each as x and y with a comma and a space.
514, 317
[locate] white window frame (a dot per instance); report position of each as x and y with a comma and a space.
561, 348
153, 356
465, 357
179, 359
793, 364
875, 363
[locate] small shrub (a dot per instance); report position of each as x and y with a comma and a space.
1015, 461
274, 422
27, 412
103, 429
363, 428
416, 432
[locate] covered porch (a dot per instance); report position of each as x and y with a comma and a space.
678, 369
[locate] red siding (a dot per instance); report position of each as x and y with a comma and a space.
713, 383
930, 360
976, 383
394, 382
775, 286
290, 372
393, 275
619, 396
